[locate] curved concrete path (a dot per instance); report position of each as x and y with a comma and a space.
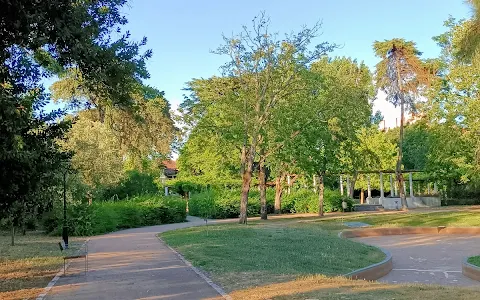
427, 259
133, 264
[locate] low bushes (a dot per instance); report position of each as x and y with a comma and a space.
306, 201
225, 203
134, 184
102, 217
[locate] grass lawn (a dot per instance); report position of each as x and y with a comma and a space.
474, 260
337, 288
239, 256
27, 267
452, 219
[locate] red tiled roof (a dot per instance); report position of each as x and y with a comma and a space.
170, 164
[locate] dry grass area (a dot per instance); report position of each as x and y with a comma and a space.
339, 288
27, 267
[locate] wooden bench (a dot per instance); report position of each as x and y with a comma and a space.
83, 254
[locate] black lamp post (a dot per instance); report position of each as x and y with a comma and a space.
65, 226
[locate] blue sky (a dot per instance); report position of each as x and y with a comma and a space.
181, 33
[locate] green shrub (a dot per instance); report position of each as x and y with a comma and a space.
135, 184
225, 203
219, 204
108, 216
197, 184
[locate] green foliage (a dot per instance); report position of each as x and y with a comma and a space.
194, 184
102, 217
474, 260
134, 184
329, 114
207, 154
37, 42
97, 153
306, 201
224, 203
416, 146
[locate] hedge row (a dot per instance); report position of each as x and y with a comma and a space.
108, 216
225, 203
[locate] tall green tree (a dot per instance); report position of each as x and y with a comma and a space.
453, 109
469, 41
401, 75
39, 38
97, 153
265, 71
331, 113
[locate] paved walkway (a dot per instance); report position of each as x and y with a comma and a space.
133, 264
428, 259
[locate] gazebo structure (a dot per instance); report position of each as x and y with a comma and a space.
393, 201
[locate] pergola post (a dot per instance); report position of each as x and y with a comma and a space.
410, 179
369, 191
341, 185
382, 195
314, 184
395, 187
392, 189
435, 188
348, 185
428, 188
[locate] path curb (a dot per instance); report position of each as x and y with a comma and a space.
56, 278
372, 272
199, 272
471, 271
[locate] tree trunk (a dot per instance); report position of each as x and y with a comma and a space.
13, 235
246, 180
278, 194
351, 192
398, 169
263, 188
24, 212
101, 114
320, 194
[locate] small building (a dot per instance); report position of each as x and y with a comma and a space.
170, 168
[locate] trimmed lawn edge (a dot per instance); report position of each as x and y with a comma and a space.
470, 270
372, 272
199, 272
59, 274
375, 271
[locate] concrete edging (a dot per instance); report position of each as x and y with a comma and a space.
471, 271
198, 271
372, 272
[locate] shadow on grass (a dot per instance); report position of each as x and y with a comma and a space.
27, 267
339, 288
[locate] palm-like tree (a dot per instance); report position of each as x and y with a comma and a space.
402, 76
469, 43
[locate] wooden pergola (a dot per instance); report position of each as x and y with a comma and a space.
381, 172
